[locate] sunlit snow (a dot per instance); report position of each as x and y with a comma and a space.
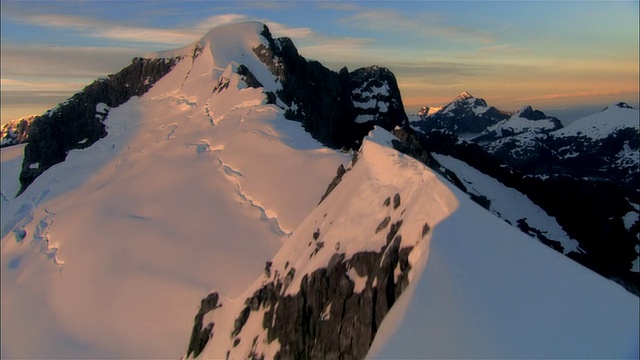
108, 254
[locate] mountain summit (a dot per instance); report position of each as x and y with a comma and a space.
230, 199
328, 110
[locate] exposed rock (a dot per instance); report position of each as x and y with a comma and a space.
248, 77
223, 83
321, 99
573, 200
334, 182
383, 224
396, 201
76, 124
200, 335
297, 321
376, 96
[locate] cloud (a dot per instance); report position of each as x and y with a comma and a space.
108, 30
278, 29
63, 61
38, 86
217, 20
423, 25
501, 50
578, 94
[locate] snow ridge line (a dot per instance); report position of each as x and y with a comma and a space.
264, 213
228, 169
271, 217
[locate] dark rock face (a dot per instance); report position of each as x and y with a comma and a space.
200, 335
327, 318
336, 180
333, 312
375, 94
590, 210
248, 77
580, 156
77, 124
322, 99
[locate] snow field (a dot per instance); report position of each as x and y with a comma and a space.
153, 219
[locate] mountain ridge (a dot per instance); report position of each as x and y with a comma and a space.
203, 194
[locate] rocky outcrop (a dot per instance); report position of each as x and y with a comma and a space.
376, 97
328, 318
248, 77
201, 334
321, 99
78, 122
336, 311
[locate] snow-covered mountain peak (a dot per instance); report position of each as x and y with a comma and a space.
464, 96
527, 112
623, 105
225, 39
468, 101
604, 123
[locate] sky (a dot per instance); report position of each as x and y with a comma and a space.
566, 58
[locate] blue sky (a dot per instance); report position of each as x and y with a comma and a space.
567, 58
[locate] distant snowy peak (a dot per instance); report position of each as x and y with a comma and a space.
526, 120
623, 105
466, 114
604, 123
429, 110
16, 131
464, 96
609, 141
468, 102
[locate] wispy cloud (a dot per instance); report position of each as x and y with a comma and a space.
279, 29
217, 20
62, 61
95, 28
501, 50
424, 25
109, 30
37, 85
578, 94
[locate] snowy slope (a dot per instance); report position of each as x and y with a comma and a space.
191, 190
509, 204
200, 186
11, 165
489, 291
523, 122
347, 223
602, 124
477, 287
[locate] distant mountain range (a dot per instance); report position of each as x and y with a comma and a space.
600, 146
232, 199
